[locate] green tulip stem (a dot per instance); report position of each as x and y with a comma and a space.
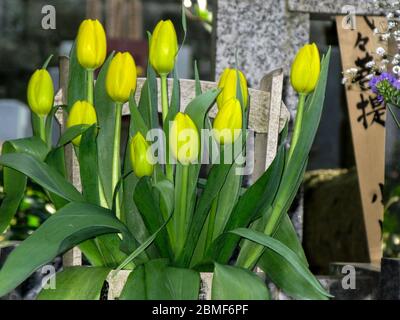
182, 214
116, 163
90, 99
164, 96
90, 86
42, 128
298, 123
169, 170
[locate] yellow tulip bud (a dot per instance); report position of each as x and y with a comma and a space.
139, 157
184, 139
41, 92
91, 44
82, 112
228, 84
121, 77
163, 47
305, 69
228, 122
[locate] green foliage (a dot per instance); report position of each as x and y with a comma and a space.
77, 283
233, 283
165, 252
67, 228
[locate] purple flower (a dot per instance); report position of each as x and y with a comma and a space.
392, 79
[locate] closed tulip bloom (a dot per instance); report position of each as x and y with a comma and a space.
228, 122
228, 84
184, 139
139, 157
163, 47
121, 77
41, 92
82, 112
91, 44
305, 69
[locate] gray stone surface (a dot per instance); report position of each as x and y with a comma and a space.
266, 36
264, 33
390, 279
332, 6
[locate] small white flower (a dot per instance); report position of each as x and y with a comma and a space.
395, 61
396, 69
391, 25
344, 80
369, 76
390, 15
385, 61
385, 36
397, 56
376, 31
353, 70
370, 64
380, 51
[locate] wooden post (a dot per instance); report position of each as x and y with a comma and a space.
124, 19
74, 256
367, 120
94, 9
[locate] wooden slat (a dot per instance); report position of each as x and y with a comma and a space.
367, 127
74, 256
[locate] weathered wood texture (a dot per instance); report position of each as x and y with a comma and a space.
367, 121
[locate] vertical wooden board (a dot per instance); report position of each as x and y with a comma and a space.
94, 9
74, 256
367, 121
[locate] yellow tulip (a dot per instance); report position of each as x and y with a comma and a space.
82, 112
305, 69
139, 157
121, 77
41, 92
228, 84
163, 47
184, 139
228, 122
91, 44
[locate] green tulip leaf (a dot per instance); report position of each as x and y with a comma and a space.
71, 133
56, 160
233, 283
14, 182
89, 166
70, 226
106, 113
76, 283
198, 108
155, 280
77, 82
152, 216
287, 254
41, 173
215, 182
148, 103
255, 202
